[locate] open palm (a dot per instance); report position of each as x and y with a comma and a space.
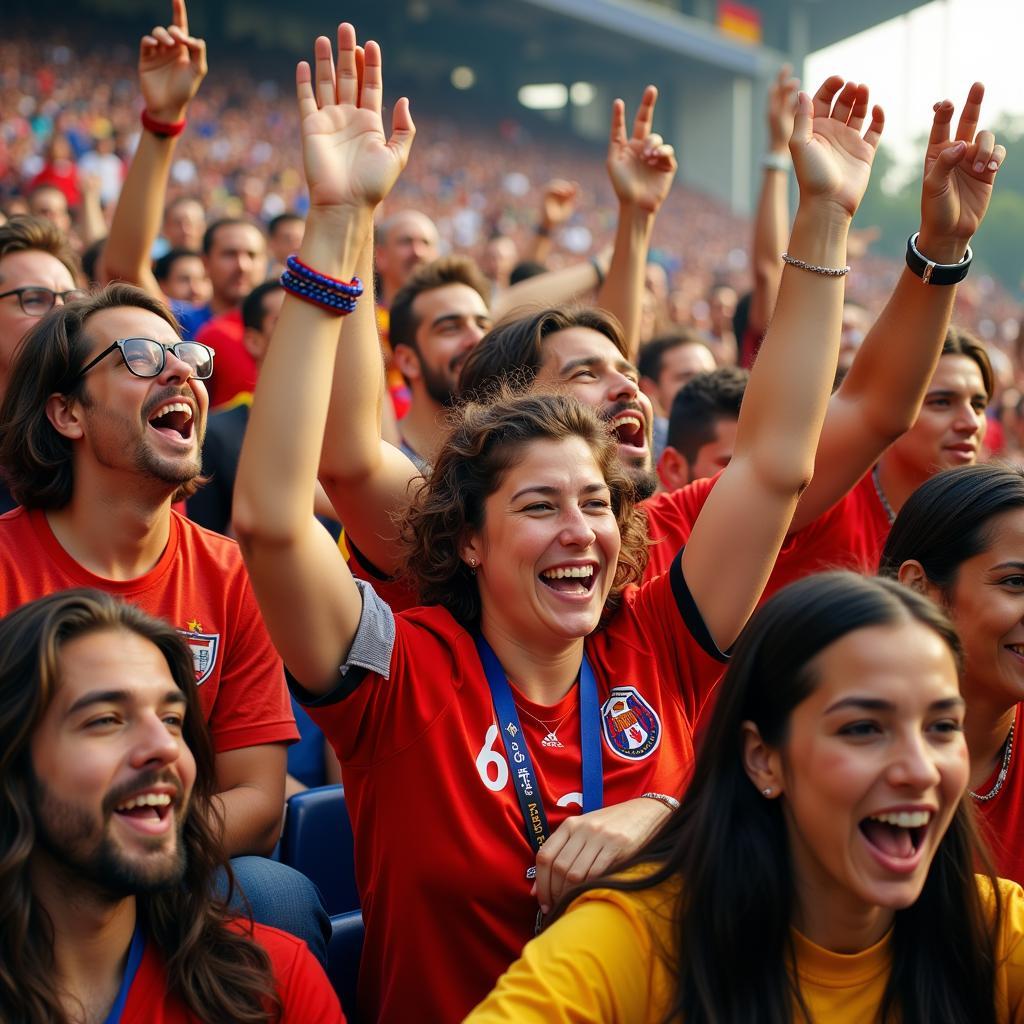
831, 157
348, 159
955, 196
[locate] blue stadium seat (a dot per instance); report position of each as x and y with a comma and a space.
343, 954
317, 840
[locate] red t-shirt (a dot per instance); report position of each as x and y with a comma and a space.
1002, 817
441, 854
200, 586
850, 535
234, 370
305, 993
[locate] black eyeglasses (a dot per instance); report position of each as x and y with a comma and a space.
35, 301
147, 358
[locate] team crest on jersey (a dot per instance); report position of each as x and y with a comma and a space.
204, 648
631, 727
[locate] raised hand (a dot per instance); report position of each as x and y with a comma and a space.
348, 159
831, 157
172, 64
558, 202
781, 109
958, 173
642, 166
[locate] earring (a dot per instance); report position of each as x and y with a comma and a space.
472, 566
767, 791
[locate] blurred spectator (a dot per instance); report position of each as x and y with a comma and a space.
181, 274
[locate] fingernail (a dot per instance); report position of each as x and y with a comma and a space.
544, 908
979, 166
993, 164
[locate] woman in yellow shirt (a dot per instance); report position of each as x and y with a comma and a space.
821, 867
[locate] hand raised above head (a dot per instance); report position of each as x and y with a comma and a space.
831, 157
348, 159
172, 64
641, 166
958, 178
781, 108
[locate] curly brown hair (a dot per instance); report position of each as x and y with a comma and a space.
487, 440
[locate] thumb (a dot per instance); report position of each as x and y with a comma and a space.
403, 131
940, 171
802, 130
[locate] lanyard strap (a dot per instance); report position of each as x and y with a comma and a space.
531, 803
134, 959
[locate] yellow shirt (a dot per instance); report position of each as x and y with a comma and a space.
605, 960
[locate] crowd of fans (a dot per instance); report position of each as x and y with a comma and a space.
652, 580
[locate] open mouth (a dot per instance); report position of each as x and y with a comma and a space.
174, 420
146, 807
629, 430
569, 579
897, 834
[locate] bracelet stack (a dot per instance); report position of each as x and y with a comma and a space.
330, 293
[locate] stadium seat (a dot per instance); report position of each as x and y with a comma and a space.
317, 840
343, 954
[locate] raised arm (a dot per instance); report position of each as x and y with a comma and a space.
641, 168
172, 64
308, 598
771, 221
740, 529
881, 396
557, 205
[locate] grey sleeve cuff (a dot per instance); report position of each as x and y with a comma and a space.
374, 641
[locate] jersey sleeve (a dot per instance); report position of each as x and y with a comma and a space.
252, 706
662, 616
401, 674
305, 993
595, 963
397, 592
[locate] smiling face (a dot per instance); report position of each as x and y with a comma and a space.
548, 546
148, 425
986, 603
950, 427
112, 771
871, 772
594, 371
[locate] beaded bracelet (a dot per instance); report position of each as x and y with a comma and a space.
326, 298
814, 268
307, 273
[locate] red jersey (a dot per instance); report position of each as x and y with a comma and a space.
1002, 817
850, 535
200, 586
234, 369
305, 993
441, 852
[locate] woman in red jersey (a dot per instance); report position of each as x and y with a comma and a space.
541, 682
821, 868
960, 539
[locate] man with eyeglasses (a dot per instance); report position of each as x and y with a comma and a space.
100, 431
37, 270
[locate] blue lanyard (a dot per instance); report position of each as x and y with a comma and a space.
134, 959
531, 803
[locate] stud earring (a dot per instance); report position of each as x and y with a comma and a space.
767, 791
472, 566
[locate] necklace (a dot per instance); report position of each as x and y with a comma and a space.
551, 739
1003, 769
881, 495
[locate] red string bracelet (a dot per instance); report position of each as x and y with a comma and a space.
165, 129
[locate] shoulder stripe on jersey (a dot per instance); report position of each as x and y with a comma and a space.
364, 563
688, 609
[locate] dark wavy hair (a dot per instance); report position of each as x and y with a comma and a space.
948, 520
488, 439
960, 342
38, 461
512, 352
728, 846
212, 964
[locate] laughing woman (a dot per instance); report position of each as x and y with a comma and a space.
960, 540
821, 867
532, 726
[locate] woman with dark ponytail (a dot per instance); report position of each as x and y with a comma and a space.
960, 540
821, 866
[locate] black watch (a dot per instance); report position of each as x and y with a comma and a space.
936, 273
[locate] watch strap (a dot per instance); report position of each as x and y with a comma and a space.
931, 272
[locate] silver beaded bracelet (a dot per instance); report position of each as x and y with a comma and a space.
663, 798
814, 268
